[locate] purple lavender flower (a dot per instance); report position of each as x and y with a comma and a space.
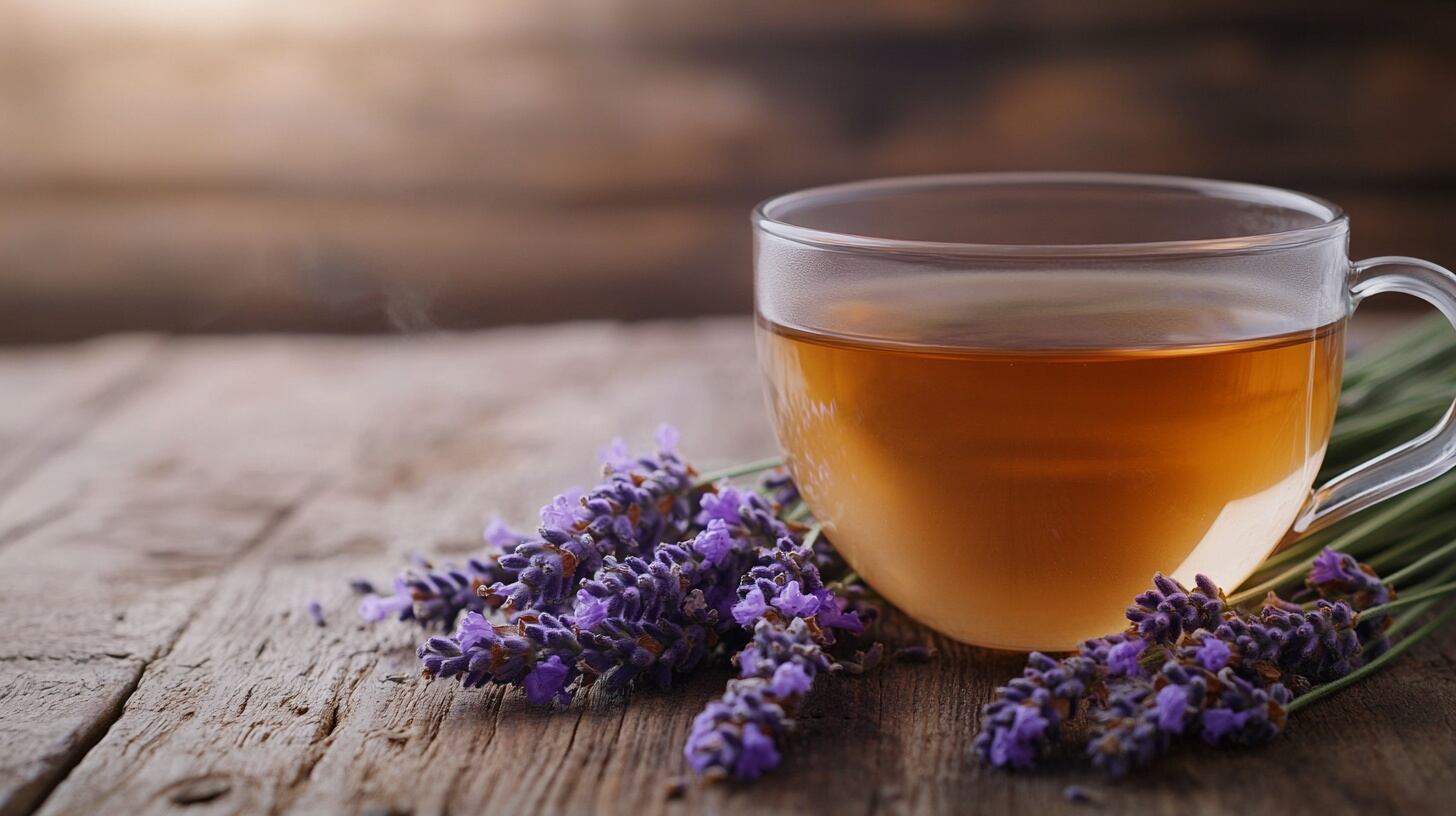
1338, 576
634, 617
315, 612
642, 577
1171, 707
1164, 612
1242, 712
642, 503
792, 603
1019, 725
502, 537
1017, 745
481, 653
1122, 658
1296, 646
793, 616
780, 487
1125, 735
547, 682
751, 608
1226, 675
737, 734
1141, 718
433, 596
1213, 654
376, 607
734, 735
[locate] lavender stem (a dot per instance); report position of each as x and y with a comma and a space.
738, 470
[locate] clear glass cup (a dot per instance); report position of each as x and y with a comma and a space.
1011, 398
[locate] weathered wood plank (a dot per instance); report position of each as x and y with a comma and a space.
166, 494
48, 398
254, 709
143, 513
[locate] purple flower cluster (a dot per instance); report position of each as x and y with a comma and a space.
646, 576
642, 503
432, 596
1188, 666
793, 615
1028, 712
1337, 575
634, 617
737, 735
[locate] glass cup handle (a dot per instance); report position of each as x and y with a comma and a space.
1419, 460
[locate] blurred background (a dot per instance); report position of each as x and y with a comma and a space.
378, 165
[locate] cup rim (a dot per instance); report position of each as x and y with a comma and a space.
1333, 220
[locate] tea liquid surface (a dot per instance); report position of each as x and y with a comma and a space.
1013, 486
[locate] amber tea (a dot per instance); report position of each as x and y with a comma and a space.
1010, 470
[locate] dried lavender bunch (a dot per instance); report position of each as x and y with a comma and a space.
1189, 665
638, 618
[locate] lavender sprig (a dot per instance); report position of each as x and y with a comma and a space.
643, 502
737, 735
433, 596
1019, 726
1189, 665
634, 617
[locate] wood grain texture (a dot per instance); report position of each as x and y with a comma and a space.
50, 398
258, 165
157, 659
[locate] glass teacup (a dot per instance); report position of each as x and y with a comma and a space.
1013, 398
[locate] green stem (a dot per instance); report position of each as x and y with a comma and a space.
812, 537
1415, 500
1395, 578
738, 470
1412, 544
1414, 342
1406, 618
1369, 423
1414, 338
1320, 692
1414, 597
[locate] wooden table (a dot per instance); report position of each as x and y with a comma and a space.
168, 507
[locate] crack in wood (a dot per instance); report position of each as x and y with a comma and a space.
29, 801
29, 796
